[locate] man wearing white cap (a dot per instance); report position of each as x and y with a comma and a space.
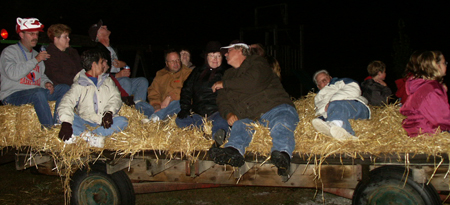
22, 73
252, 92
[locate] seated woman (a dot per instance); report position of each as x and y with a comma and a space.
427, 108
96, 99
198, 97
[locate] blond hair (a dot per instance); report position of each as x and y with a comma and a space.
428, 67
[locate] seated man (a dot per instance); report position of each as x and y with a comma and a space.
23, 78
251, 92
96, 99
338, 100
136, 87
164, 93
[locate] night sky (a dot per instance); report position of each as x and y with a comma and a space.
341, 36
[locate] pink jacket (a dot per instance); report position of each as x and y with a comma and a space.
426, 108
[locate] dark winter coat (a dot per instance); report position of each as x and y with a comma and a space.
62, 66
251, 90
196, 94
375, 93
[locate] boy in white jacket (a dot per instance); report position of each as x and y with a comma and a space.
96, 100
338, 100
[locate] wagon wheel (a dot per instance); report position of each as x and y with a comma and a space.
387, 186
97, 187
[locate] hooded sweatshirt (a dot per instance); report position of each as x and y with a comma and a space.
19, 70
426, 108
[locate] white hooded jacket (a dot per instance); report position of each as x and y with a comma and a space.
338, 89
91, 102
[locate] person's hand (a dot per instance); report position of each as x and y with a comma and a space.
217, 86
123, 73
66, 131
183, 114
231, 118
166, 102
50, 87
326, 107
107, 120
118, 64
42, 56
128, 100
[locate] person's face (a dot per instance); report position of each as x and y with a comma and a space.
62, 42
98, 67
185, 57
214, 59
103, 32
322, 80
382, 75
29, 39
173, 62
105, 65
232, 55
442, 65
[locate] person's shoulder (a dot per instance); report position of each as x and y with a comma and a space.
345, 80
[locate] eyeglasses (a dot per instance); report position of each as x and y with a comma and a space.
173, 61
214, 56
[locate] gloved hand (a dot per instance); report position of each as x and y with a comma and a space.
129, 100
107, 120
183, 114
66, 131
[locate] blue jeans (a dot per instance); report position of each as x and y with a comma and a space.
39, 97
171, 109
135, 86
79, 126
217, 122
347, 109
145, 108
281, 120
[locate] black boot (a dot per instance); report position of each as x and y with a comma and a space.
282, 161
227, 155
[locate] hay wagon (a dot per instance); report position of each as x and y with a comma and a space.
382, 166
383, 179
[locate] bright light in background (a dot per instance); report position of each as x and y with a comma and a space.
4, 34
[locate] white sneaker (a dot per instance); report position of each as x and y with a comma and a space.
154, 118
322, 126
145, 120
95, 141
71, 140
341, 134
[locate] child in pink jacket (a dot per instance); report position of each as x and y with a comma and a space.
427, 107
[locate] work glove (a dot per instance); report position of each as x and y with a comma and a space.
66, 131
129, 100
183, 114
107, 120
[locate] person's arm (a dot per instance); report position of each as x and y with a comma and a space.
154, 94
256, 76
68, 103
187, 92
435, 108
347, 89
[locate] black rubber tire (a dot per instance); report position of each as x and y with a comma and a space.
98, 187
387, 186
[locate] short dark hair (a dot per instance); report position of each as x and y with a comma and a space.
90, 56
374, 67
170, 50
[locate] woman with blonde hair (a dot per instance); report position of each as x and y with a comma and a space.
427, 109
